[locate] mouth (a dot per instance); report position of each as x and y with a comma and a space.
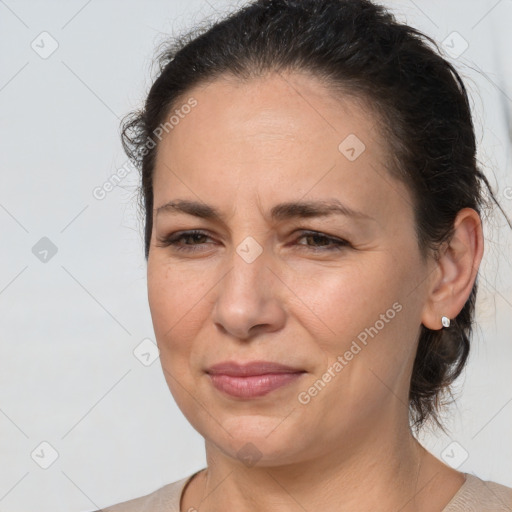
252, 380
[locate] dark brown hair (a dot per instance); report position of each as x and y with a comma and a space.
355, 47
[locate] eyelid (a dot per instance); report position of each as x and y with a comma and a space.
336, 241
305, 232
171, 240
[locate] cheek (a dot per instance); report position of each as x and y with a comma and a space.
347, 298
363, 319
362, 310
177, 300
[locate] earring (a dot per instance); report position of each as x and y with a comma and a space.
445, 321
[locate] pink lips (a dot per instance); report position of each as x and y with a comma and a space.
253, 379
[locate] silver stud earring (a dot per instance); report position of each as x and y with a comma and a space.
445, 321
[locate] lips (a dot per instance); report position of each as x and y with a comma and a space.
250, 369
251, 380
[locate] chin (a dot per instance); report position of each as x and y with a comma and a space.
256, 441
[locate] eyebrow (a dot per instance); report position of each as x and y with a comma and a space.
279, 212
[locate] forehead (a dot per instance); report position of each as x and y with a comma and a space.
282, 134
278, 105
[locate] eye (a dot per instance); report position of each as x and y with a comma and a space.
324, 242
195, 237
193, 240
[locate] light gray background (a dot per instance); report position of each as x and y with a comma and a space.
69, 325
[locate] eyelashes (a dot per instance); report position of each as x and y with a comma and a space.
327, 243
335, 243
174, 239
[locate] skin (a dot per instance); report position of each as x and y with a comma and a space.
244, 148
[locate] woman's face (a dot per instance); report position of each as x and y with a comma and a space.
269, 156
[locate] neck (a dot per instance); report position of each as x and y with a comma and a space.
379, 469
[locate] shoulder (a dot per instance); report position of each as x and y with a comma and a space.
476, 495
165, 498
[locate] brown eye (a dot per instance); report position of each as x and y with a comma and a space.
193, 240
318, 240
322, 242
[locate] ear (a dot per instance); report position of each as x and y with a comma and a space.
455, 270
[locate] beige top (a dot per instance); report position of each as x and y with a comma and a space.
475, 495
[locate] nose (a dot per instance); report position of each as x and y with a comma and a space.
248, 299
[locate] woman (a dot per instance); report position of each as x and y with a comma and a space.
313, 238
